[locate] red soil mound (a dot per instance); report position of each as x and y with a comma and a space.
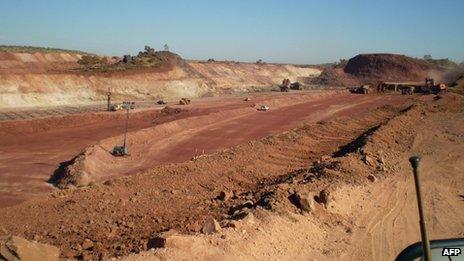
387, 67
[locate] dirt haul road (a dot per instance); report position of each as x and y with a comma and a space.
32, 150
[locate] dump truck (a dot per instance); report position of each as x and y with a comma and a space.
117, 107
295, 86
363, 89
184, 101
426, 87
285, 86
407, 90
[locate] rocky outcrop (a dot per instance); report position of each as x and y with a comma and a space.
17, 248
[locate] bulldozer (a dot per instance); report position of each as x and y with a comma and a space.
440, 88
431, 88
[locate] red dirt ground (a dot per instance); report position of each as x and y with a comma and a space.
28, 160
120, 215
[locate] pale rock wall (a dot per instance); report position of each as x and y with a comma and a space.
36, 80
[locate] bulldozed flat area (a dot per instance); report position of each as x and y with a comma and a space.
259, 159
32, 150
347, 153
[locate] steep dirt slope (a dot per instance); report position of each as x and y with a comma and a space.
235, 75
42, 79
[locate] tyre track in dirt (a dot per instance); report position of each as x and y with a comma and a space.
389, 222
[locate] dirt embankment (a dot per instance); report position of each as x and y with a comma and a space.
43, 79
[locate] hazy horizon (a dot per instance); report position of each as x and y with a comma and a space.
300, 32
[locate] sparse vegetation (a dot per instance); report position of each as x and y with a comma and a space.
32, 49
144, 59
92, 61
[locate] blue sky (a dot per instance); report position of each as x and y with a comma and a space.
294, 31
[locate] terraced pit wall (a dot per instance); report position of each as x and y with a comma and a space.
48, 79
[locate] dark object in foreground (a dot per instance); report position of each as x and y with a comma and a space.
415, 160
437, 249
443, 249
